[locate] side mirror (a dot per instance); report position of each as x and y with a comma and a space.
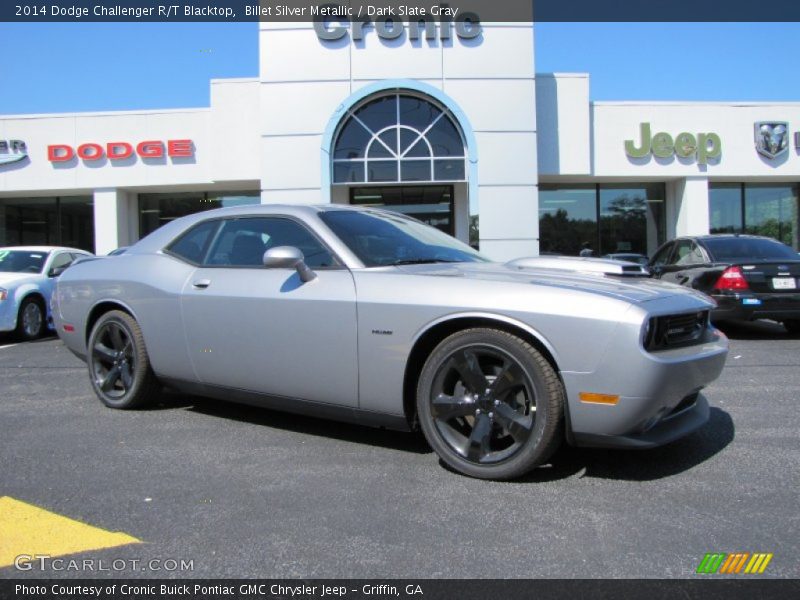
56, 271
288, 257
656, 269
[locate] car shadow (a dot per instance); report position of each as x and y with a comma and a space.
359, 434
640, 465
568, 462
754, 330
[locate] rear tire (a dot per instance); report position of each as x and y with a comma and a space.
490, 404
31, 319
119, 368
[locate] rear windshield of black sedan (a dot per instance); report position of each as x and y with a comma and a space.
380, 239
748, 249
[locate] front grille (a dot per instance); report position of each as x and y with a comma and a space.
670, 331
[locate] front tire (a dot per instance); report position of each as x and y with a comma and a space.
490, 405
31, 319
119, 368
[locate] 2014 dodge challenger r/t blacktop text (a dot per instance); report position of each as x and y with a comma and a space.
368, 316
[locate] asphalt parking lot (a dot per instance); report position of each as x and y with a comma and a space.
244, 492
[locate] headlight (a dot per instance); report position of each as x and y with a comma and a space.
3, 294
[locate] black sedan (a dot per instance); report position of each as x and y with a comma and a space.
750, 277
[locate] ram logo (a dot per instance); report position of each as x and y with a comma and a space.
772, 138
12, 151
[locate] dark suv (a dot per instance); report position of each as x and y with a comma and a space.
750, 277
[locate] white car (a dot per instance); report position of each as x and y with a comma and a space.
27, 278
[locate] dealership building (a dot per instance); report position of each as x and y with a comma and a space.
448, 122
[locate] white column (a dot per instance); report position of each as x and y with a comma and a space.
112, 220
690, 197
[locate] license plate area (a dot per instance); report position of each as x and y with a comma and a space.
784, 283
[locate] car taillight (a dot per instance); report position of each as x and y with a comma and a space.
731, 279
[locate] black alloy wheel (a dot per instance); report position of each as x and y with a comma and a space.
119, 368
490, 404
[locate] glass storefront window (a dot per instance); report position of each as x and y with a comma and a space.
632, 218
759, 209
47, 221
567, 218
603, 219
771, 210
157, 209
431, 204
725, 208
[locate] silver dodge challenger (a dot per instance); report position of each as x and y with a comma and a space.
368, 316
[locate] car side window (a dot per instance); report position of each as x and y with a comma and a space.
662, 256
192, 245
687, 253
62, 260
243, 242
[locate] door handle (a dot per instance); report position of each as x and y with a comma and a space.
201, 284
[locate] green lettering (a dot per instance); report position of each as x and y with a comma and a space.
708, 146
685, 145
662, 145
631, 149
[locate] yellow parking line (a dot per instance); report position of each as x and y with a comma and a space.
29, 530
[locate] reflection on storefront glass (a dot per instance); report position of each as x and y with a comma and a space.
771, 210
431, 204
599, 220
156, 210
725, 208
47, 221
759, 209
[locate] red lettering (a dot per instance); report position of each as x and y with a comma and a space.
177, 148
60, 153
90, 151
150, 149
119, 150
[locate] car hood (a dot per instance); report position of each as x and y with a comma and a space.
15, 278
630, 289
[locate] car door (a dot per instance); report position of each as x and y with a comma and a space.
265, 330
660, 260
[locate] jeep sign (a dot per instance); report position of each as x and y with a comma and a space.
702, 147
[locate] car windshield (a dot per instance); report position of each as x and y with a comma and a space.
748, 249
22, 261
381, 239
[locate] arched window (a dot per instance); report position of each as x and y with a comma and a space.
398, 138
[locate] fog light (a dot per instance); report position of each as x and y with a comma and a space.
593, 398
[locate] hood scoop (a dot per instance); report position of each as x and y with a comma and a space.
576, 264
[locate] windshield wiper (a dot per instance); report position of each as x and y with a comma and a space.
422, 261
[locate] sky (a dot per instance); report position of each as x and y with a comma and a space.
68, 67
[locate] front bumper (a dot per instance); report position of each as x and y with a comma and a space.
672, 427
658, 394
8, 314
747, 306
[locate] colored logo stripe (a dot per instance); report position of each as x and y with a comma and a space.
711, 562
759, 562
733, 563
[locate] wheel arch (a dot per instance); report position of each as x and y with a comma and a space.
101, 308
433, 333
35, 294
